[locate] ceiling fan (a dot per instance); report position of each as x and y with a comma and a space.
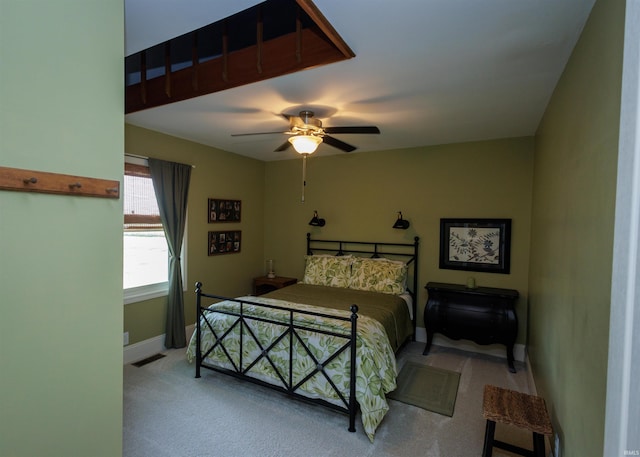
307, 133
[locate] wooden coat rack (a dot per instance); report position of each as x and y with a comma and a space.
17, 179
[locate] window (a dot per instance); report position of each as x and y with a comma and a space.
146, 254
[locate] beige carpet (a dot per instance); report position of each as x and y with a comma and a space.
427, 387
169, 413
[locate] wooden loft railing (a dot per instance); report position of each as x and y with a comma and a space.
271, 39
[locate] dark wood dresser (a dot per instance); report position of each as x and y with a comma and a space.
484, 315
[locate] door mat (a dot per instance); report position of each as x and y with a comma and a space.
427, 387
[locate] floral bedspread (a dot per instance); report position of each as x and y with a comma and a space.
375, 360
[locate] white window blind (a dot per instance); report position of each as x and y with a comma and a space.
140, 206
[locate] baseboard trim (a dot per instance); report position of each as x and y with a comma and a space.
496, 350
147, 348
532, 382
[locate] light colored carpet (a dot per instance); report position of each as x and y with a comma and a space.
169, 413
427, 387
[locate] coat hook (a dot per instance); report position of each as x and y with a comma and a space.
31, 180
112, 190
75, 185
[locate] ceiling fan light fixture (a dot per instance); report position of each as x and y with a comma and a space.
305, 144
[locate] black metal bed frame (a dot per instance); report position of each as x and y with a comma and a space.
291, 329
406, 251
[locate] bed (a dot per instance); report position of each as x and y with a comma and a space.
331, 339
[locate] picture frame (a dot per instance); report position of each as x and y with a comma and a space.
225, 242
476, 245
222, 210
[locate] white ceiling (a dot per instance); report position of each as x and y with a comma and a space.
426, 72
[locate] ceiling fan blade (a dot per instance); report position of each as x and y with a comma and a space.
283, 147
331, 141
365, 129
257, 133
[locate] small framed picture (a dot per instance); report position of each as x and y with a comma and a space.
220, 210
226, 242
476, 245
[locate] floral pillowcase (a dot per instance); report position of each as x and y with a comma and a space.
328, 270
374, 275
378, 275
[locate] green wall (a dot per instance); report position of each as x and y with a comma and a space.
217, 174
61, 111
359, 195
572, 233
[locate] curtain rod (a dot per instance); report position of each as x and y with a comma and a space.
147, 158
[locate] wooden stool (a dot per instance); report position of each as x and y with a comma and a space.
514, 408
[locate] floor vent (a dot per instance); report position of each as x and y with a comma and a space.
143, 362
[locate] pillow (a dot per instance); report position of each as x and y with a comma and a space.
328, 270
378, 275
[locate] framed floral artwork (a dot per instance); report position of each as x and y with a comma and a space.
476, 245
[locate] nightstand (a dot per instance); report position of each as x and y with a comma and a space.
262, 285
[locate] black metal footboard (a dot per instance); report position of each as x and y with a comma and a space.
290, 330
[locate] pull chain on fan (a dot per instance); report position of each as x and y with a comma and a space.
304, 174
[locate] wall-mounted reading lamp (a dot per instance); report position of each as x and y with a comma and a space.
316, 221
401, 223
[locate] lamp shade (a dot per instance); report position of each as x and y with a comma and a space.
316, 221
305, 144
401, 223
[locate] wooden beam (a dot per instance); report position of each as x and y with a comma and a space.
167, 68
259, 37
225, 52
298, 36
194, 61
318, 18
143, 77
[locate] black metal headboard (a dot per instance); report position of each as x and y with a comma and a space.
408, 252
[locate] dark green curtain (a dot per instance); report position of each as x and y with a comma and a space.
171, 184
